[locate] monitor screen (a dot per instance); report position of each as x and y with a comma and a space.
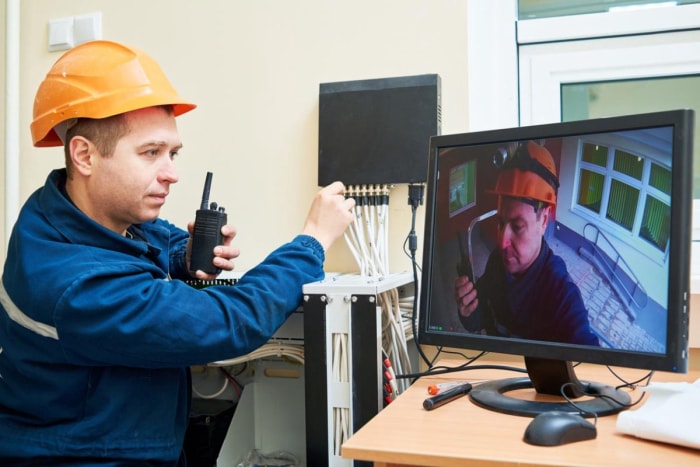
565, 242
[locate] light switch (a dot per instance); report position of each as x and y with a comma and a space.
65, 33
87, 28
60, 34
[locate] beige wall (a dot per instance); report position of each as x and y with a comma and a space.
254, 69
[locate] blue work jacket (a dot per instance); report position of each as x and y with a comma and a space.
542, 304
97, 331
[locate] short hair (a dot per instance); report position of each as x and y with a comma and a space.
104, 133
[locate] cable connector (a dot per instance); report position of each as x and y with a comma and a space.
415, 195
415, 199
391, 388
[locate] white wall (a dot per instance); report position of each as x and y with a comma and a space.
254, 70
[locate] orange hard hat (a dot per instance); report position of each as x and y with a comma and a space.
530, 173
99, 79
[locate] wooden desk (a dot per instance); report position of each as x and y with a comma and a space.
461, 433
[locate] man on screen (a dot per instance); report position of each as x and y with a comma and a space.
526, 291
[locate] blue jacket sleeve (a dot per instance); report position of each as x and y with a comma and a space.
178, 249
125, 317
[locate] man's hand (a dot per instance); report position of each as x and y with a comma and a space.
465, 295
330, 214
223, 254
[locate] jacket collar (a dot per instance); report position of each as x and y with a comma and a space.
78, 228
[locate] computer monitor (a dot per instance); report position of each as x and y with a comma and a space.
577, 238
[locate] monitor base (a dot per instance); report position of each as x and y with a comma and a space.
492, 395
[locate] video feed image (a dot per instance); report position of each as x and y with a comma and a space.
561, 240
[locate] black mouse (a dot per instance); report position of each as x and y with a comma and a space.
557, 427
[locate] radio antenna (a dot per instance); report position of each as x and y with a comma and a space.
205, 193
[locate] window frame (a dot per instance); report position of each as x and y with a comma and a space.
631, 236
493, 79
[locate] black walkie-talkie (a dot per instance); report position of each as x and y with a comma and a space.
207, 232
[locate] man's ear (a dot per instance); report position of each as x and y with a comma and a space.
546, 215
81, 152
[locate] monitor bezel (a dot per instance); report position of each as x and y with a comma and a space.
676, 357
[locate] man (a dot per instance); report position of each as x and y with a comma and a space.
526, 291
97, 327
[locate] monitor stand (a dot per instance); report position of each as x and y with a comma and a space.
547, 376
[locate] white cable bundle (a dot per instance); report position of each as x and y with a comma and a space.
368, 240
406, 305
368, 235
394, 335
271, 349
341, 374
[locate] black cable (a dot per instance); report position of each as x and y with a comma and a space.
441, 350
415, 198
468, 365
632, 384
413, 317
444, 370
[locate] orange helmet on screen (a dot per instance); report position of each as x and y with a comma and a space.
530, 173
99, 79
